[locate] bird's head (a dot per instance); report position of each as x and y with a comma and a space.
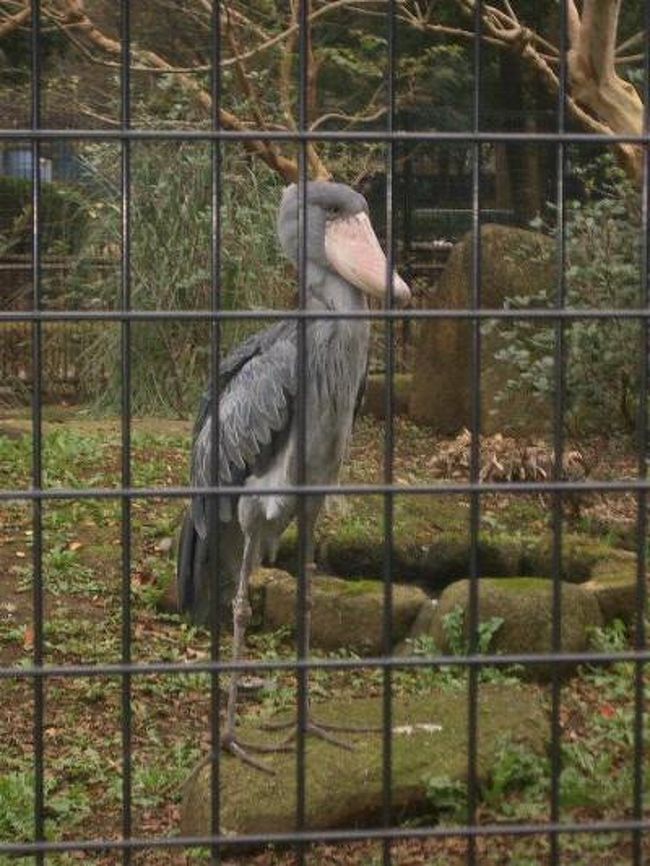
339, 237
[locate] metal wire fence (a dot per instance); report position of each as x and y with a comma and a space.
128, 671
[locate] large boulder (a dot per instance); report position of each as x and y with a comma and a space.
513, 262
526, 607
345, 614
344, 789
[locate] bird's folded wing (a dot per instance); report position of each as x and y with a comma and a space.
255, 409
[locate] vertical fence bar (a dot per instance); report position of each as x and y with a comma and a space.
559, 374
37, 436
214, 589
475, 448
302, 674
389, 447
125, 190
642, 470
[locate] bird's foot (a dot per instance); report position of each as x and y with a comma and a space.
244, 751
322, 730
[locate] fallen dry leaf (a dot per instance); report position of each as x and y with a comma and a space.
28, 639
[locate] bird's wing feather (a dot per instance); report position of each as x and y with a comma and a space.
236, 359
258, 386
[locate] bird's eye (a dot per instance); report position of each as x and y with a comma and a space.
334, 211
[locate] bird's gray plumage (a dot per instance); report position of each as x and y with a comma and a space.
258, 384
258, 423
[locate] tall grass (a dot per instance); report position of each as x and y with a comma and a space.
170, 269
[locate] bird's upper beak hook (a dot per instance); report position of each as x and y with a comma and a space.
353, 250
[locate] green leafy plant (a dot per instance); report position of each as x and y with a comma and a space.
453, 624
63, 217
610, 638
448, 796
65, 806
602, 234
516, 768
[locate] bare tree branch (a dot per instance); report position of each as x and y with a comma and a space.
637, 39
595, 83
600, 100
13, 22
286, 168
292, 30
348, 118
573, 22
245, 81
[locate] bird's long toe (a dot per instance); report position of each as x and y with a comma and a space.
246, 752
323, 730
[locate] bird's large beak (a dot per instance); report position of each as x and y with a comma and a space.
352, 249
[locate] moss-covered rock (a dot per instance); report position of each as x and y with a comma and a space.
348, 793
579, 557
431, 545
344, 614
526, 607
422, 627
513, 261
613, 583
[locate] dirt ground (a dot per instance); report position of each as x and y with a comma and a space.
83, 586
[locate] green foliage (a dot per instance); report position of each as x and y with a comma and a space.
64, 806
448, 796
602, 271
63, 217
453, 624
610, 638
171, 255
16, 807
516, 768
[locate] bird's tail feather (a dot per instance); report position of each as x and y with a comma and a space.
196, 581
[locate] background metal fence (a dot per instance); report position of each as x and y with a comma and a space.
128, 671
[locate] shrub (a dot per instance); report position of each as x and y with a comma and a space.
603, 248
63, 217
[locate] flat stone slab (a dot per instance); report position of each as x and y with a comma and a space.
344, 789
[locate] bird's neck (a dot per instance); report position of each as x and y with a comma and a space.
328, 291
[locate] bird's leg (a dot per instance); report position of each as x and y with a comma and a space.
312, 727
241, 618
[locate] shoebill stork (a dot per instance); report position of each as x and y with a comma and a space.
258, 429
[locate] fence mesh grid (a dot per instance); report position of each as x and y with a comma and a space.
558, 315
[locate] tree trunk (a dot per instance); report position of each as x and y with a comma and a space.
522, 158
595, 83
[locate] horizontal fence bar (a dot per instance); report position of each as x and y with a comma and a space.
537, 313
458, 488
370, 135
317, 836
332, 664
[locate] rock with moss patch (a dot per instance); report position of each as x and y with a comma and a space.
345, 614
431, 546
421, 628
613, 584
526, 607
512, 260
344, 789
